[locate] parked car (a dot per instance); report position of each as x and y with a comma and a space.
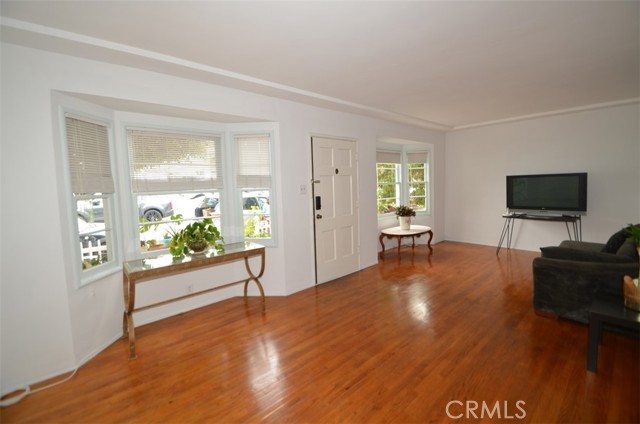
208, 205
152, 208
249, 203
255, 203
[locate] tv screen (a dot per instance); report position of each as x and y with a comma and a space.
548, 192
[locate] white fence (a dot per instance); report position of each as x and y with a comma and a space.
94, 249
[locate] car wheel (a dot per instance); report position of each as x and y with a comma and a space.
153, 215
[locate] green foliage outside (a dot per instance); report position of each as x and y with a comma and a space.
388, 187
252, 229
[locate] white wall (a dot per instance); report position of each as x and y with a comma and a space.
49, 325
604, 142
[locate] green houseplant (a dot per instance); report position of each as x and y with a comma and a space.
404, 215
403, 210
196, 237
151, 226
633, 231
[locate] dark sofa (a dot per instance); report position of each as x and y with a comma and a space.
567, 278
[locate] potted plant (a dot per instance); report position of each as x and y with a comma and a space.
631, 289
404, 214
195, 238
152, 226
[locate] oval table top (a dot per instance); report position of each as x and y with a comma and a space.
413, 231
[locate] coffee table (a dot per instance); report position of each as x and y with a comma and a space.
413, 232
608, 311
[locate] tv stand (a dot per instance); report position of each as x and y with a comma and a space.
507, 229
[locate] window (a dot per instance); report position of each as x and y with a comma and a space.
418, 180
389, 169
173, 174
92, 187
402, 178
254, 181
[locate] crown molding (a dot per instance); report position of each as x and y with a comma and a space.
52, 39
548, 114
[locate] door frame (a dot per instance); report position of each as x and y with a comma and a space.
356, 193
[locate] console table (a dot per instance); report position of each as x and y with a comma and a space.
138, 270
413, 232
507, 229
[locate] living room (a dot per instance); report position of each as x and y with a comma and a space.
51, 325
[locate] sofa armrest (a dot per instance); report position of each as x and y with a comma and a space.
581, 255
567, 288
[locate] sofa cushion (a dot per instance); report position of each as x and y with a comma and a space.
583, 245
567, 253
615, 242
628, 250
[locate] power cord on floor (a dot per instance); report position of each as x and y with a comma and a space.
26, 391
13, 400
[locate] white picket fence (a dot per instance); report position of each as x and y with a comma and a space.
93, 249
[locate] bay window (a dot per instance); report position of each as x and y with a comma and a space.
172, 176
402, 179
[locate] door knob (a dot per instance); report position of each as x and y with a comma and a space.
319, 216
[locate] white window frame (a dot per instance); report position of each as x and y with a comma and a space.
403, 177
427, 179
197, 129
238, 213
397, 183
232, 228
113, 265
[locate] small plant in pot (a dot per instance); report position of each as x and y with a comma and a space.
404, 215
195, 238
631, 288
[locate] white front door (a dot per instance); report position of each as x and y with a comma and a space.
335, 191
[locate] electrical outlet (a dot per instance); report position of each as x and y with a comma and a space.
303, 189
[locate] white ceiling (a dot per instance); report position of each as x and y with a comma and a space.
438, 64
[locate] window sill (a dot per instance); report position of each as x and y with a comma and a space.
99, 273
263, 242
392, 217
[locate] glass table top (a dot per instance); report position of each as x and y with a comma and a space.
167, 260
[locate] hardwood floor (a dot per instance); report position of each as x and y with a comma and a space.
412, 340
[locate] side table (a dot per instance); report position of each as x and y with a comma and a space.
138, 271
413, 232
612, 312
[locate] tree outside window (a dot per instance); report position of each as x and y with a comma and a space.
388, 187
395, 186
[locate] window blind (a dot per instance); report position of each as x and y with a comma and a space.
253, 161
89, 160
172, 162
417, 157
387, 157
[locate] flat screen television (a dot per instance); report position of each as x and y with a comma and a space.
544, 193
